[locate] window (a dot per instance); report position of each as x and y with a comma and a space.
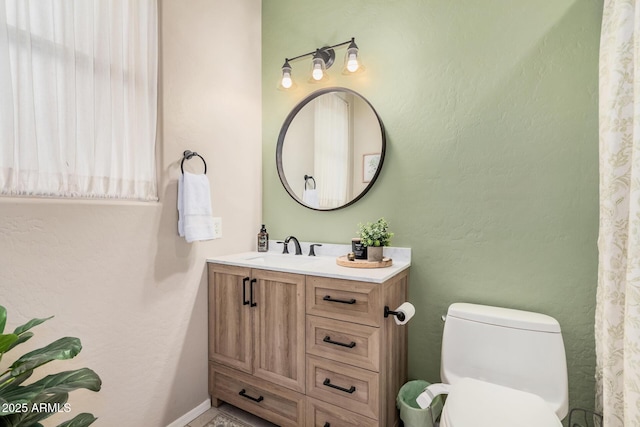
78, 98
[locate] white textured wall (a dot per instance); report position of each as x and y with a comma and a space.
117, 275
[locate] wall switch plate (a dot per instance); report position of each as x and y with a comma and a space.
217, 228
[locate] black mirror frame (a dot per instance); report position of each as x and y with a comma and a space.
283, 133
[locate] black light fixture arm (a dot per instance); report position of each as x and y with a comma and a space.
322, 49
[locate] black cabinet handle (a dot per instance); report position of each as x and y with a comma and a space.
327, 339
244, 291
341, 301
349, 390
243, 393
326, 425
253, 281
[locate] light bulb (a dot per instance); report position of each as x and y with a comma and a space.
286, 80
317, 71
352, 62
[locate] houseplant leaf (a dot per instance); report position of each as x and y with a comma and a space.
65, 382
30, 324
21, 338
80, 420
3, 318
62, 382
64, 348
6, 342
43, 406
9, 382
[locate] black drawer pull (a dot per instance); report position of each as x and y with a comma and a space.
341, 301
243, 393
327, 424
327, 339
244, 291
349, 390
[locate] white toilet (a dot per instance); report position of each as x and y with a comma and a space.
501, 368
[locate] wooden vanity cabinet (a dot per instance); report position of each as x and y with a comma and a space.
256, 328
312, 351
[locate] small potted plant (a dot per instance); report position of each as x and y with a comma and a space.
374, 236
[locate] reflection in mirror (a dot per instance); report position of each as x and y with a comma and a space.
330, 149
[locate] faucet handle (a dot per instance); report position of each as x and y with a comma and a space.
312, 251
286, 247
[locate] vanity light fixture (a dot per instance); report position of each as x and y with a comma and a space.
322, 60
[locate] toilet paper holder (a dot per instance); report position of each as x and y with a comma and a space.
400, 315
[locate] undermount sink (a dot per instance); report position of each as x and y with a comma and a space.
280, 260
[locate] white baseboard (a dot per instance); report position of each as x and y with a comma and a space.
192, 414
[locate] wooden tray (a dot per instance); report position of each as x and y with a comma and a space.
363, 263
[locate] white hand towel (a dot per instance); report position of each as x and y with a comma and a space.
195, 221
180, 207
310, 198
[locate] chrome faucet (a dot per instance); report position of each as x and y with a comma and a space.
295, 242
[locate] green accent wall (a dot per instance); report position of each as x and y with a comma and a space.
491, 174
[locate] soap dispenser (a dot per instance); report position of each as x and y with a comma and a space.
263, 240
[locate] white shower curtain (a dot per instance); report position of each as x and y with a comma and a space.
78, 98
617, 326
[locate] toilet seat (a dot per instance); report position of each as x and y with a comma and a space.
474, 403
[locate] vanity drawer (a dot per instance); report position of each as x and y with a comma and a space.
350, 343
267, 400
343, 385
348, 300
322, 414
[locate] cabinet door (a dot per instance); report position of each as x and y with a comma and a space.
279, 326
230, 328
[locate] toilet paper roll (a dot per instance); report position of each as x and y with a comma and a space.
408, 309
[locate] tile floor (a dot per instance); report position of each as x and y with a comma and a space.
248, 418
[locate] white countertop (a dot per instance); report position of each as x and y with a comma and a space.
323, 265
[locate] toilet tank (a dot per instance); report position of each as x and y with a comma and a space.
513, 348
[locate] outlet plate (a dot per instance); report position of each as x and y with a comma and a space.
217, 228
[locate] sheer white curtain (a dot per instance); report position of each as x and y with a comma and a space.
617, 327
78, 98
331, 150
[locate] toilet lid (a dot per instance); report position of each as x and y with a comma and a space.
474, 403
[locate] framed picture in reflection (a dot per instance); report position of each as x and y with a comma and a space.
370, 164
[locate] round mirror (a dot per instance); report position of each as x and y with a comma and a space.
330, 149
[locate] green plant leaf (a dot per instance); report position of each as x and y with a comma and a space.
62, 349
21, 338
17, 397
62, 382
42, 407
6, 341
69, 380
11, 383
80, 420
3, 318
30, 324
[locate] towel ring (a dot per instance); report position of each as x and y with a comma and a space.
187, 155
306, 180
